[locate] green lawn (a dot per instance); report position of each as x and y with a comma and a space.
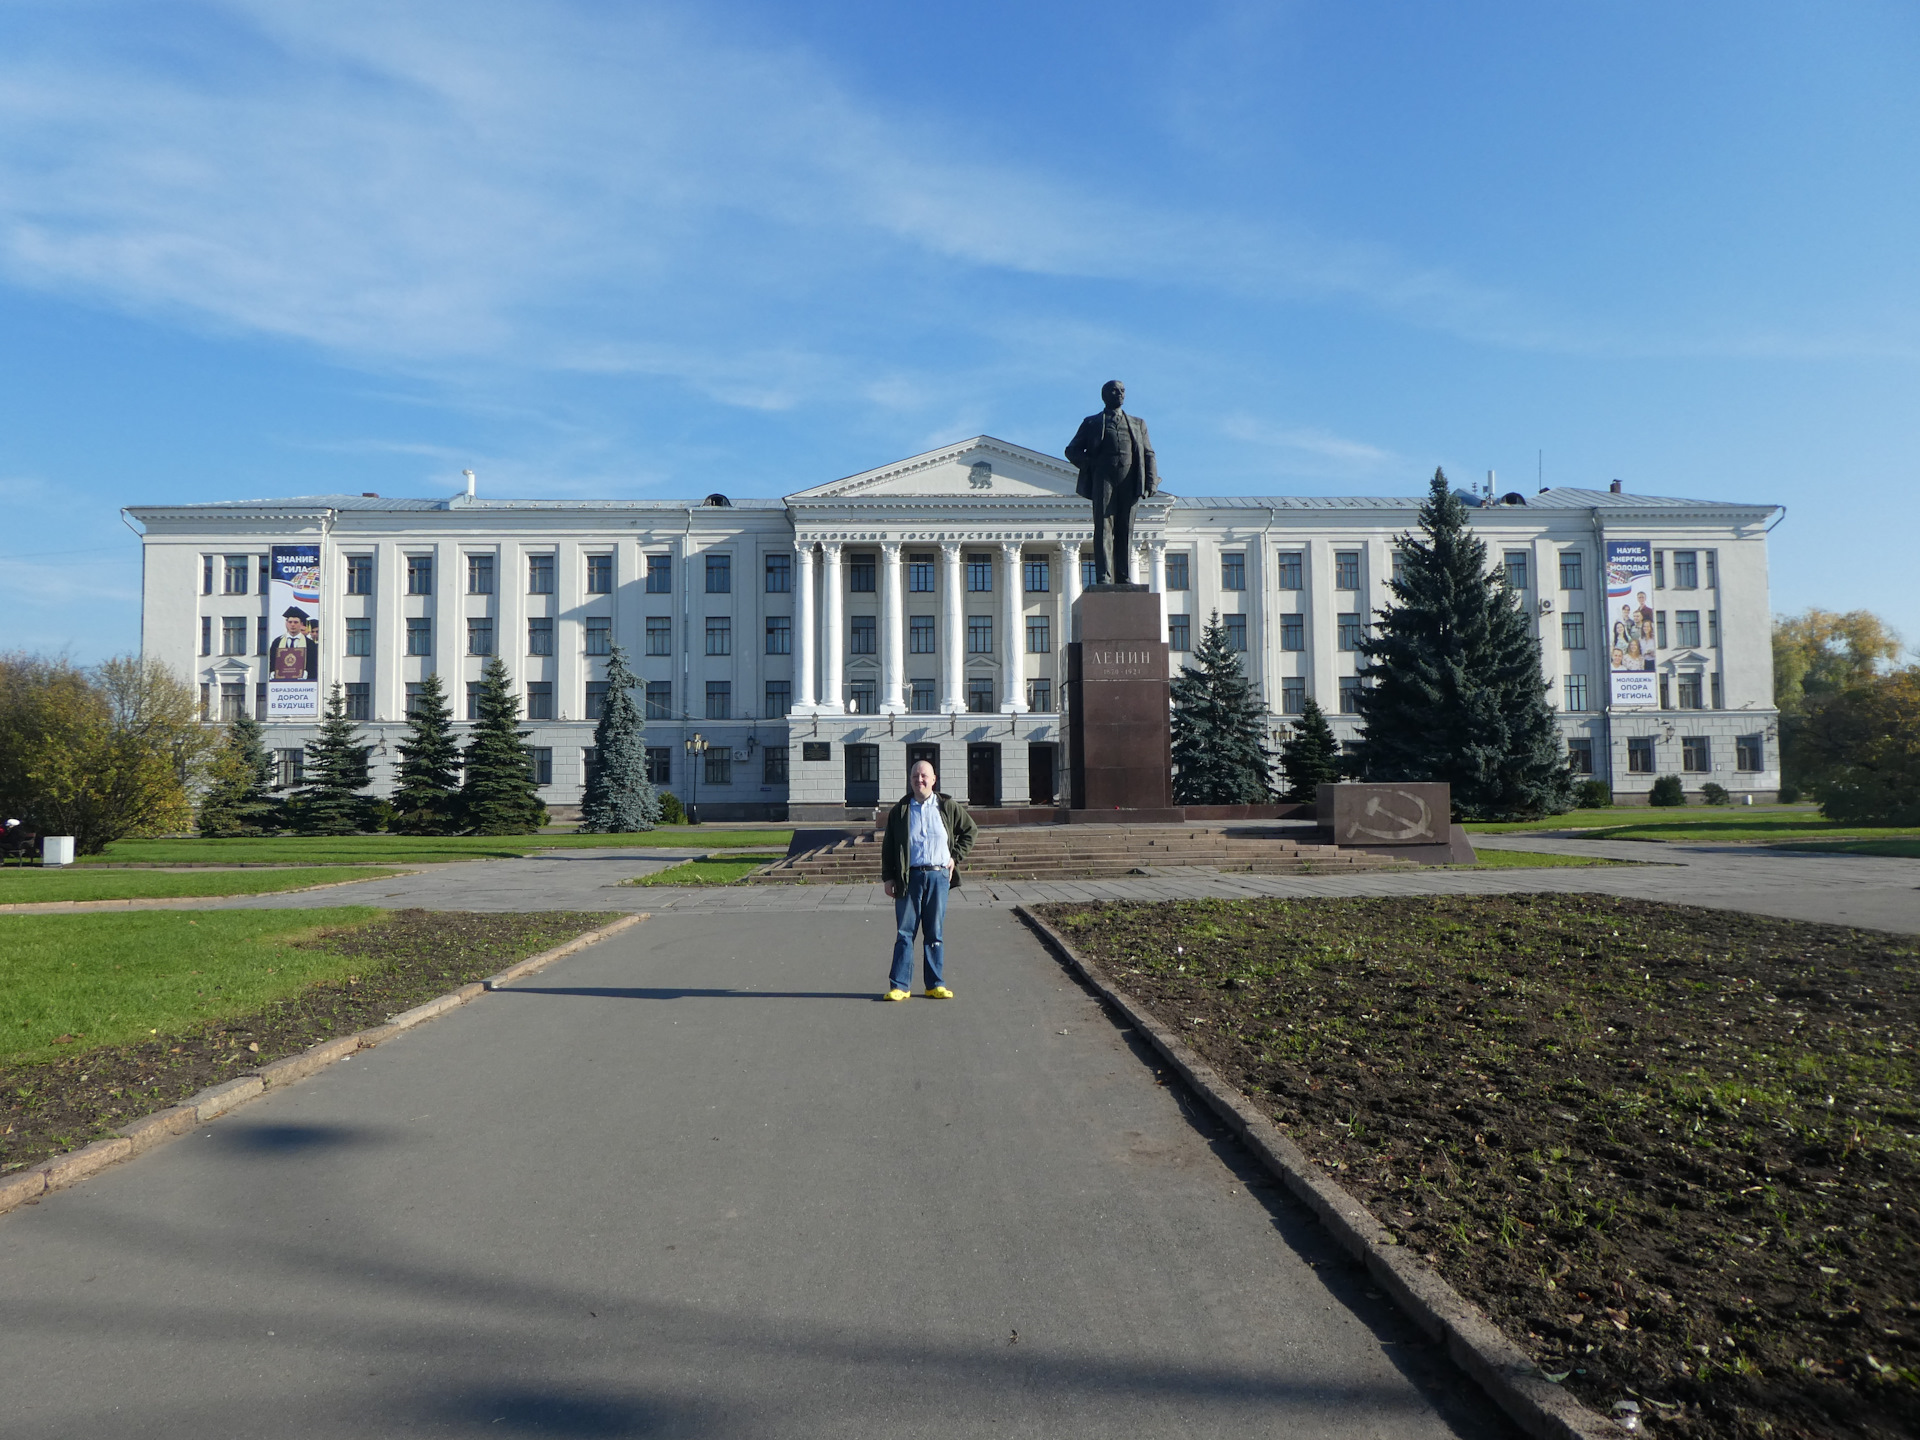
35, 887
116, 979
407, 849
1907, 848
1531, 859
1632, 815
708, 872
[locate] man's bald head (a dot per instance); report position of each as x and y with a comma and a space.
921, 779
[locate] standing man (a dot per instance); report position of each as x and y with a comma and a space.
294, 655
1115, 461
927, 837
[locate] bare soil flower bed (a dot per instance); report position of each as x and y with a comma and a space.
410, 956
1672, 1151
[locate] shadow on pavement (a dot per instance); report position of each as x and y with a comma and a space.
641, 992
291, 1139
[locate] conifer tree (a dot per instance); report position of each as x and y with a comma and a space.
427, 800
1309, 755
619, 796
1455, 692
1219, 729
498, 796
239, 798
329, 800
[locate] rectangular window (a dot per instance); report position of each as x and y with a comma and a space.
659, 764
599, 635
780, 573
1666, 687
1088, 575
920, 696
540, 700
1177, 571
719, 574
1349, 695
1659, 569
1040, 696
779, 635
659, 635
1233, 571
980, 573
1690, 688
659, 700
1713, 569
980, 696
1749, 753
233, 635
1236, 626
1293, 632
920, 574
413, 700
590, 763
290, 767
1570, 578
599, 574
359, 700
261, 638
1400, 565
1289, 567
659, 574
773, 765
206, 635
479, 574
359, 574
260, 700
235, 579
1179, 633
719, 635
1686, 570
920, 634
233, 701
1038, 573
1686, 627
1696, 754
1514, 562
543, 765
861, 698
1640, 755
860, 574
1293, 694
779, 697
359, 636
1039, 635
1573, 631
863, 632
1660, 629
719, 699
540, 635
596, 698
479, 635
1719, 701
979, 634
1713, 627
1350, 632
419, 574
719, 766
474, 692
1576, 692
540, 574
1346, 570
206, 574
1580, 755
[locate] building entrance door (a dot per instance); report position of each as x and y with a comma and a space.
983, 776
863, 776
930, 754
1043, 773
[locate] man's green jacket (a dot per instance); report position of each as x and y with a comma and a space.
893, 844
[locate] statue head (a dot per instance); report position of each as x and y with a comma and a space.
1113, 394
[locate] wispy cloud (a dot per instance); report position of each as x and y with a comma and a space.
1308, 451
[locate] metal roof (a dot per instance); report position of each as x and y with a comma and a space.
1558, 498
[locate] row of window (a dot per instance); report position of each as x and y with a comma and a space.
717, 769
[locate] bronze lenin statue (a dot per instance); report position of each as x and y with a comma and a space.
1115, 460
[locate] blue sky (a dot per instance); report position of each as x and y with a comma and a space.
255, 249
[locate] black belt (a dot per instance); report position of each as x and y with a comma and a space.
929, 867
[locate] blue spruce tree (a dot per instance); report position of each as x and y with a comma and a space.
620, 799
1219, 729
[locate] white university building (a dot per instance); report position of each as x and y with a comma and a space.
820, 643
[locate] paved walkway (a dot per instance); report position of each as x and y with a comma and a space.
618, 1201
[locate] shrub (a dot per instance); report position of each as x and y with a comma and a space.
672, 812
1667, 790
1789, 793
1593, 795
1715, 794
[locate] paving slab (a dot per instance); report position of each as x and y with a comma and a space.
698, 1181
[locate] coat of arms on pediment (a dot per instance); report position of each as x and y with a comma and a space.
980, 467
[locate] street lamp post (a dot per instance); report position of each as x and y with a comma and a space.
696, 750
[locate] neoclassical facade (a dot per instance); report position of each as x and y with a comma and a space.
797, 655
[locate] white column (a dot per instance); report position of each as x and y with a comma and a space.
1157, 547
953, 645
1013, 689
893, 640
833, 698
805, 701
1070, 596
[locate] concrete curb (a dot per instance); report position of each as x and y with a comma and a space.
1475, 1343
178, 902
149, 1131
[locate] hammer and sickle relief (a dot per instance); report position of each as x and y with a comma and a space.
1395, 826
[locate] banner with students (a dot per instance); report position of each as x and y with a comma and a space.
293, 613
1630, 649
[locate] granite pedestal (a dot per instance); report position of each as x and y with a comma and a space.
1119, 717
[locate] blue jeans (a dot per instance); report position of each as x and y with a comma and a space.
921, 906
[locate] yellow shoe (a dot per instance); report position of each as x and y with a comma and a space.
897, 994
939, 992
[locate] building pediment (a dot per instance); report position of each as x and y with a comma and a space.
980, 468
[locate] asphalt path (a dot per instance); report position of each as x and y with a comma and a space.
698, 1181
